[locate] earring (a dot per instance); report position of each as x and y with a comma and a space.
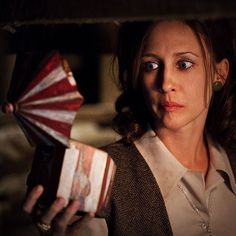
217, 85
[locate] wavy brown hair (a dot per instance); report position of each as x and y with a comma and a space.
132, 116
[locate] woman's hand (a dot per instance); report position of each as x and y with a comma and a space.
61, 223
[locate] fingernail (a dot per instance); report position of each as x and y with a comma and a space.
76, 203
25, 208
91, 214
60, 200
39, 188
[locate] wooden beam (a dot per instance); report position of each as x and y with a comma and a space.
28, 12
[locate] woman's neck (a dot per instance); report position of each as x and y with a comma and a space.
189, 148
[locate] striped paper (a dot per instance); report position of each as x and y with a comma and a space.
50, 103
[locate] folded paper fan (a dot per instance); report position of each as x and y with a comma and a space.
47, 106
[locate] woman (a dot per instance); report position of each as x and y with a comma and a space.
176, 162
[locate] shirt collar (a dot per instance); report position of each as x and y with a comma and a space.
220, 162
167, 170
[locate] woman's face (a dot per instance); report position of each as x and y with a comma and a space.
173, 76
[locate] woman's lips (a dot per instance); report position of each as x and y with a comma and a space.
171, 106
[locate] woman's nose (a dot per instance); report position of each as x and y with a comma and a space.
166, 82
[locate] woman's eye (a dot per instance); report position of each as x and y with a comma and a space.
149, 66
183, 65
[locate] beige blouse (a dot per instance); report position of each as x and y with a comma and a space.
195, 206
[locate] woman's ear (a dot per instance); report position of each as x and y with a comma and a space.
222, 70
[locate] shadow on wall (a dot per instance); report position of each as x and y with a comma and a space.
15, 161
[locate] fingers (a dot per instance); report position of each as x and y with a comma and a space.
54, 209
54, 214
32, 198
63, 221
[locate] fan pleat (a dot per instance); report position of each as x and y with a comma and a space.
48, 71
61, 127
56, 75
55, 131
61, 98
60, 87
59, 115
34, 134
69, 105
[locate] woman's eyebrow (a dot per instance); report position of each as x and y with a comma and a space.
184, 53
175, 54
151, 55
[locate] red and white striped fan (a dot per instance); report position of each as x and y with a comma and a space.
47, 107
